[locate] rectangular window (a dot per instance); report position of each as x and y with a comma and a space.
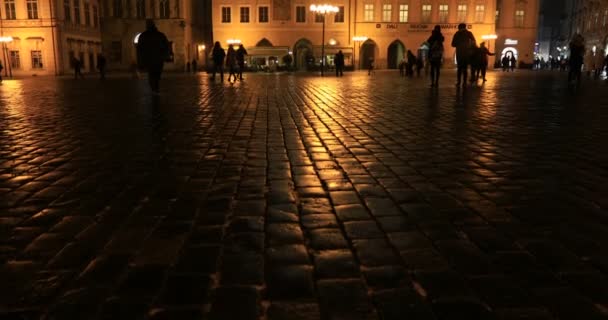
263, 14
387, 11
300, 14
32, 9
164, 9
480, 13
15, 60
225, 14
77, 11
67, 12
462, 13
339, 17
519, 18
95, 17
426, 13
87, 14
117, 9
368, 12
9, 7
244, 16
319, 18
443, 13
404, 12
140, 9
36, 59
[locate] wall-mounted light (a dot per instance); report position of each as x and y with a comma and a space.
233, 41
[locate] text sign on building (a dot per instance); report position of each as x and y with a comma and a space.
510, 42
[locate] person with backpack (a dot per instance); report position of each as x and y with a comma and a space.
435, 42
464, 42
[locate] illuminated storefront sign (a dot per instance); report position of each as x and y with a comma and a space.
511, 42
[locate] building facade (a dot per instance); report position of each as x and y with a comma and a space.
45, 35
272, 29
590, 19
123, 20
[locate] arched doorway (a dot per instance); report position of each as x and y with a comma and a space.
510, 52
303, 54
396, 53
368, 54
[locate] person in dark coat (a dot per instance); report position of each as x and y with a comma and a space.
218, 56
411, 63
231, 63
464, 42
101, 66
77, 65
240, 59
339, 62
505, 63
513, 62
476, 62
484, 53
194, 66
152, 52
436, 49
577, 52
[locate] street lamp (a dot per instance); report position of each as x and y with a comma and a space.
360, 40
8, 72
323, 9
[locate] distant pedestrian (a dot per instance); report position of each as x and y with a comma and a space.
218, 56
152, 52
577, 52
370, 66
188, 66
339, 62
419, 65
402, 64
505, 63
464, 42
436, 49
411, 63
77, 65
101, 66
194, 66
240, 59
513, 63
1, 68
231, 63
484, 52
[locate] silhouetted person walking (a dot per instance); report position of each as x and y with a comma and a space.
218, 56
194, 66
339, 62
101, 66
77, 65
411, 63
370, 67
513, 62
505, 63
577, 53
1, 68
152, 51
484, 52
240, 59
435, 42
231, 63
464, 42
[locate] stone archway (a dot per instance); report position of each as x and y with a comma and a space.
264, 43
368, 54
395, 53
303, 54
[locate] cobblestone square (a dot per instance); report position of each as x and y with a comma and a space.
300, 197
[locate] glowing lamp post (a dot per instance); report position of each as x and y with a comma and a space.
8, 72
360, 40
323, 9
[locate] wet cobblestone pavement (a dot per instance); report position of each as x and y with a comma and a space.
304, 198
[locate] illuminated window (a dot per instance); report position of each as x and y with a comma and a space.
95, 17
117, 9
140, 9
32, 9
368, 12
87, 14
164, 10
67, 13
9, 7
404, 12
300, 14
36, 59
387, 11
225, 14
263, 14
443, 13
319, 18
15, 59
519, 18
462, 13
339, 17
244, 15
426, 13
77, 11
480, 13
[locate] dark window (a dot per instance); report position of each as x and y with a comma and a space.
263, 14
67, 13
32, 9
77, 11
140, 8
339, 17
36, 59
9, 7
95, 17
300, 14
225, 14
319, 17
15, 60
87, 14
244, 14
117, 8
165, 12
